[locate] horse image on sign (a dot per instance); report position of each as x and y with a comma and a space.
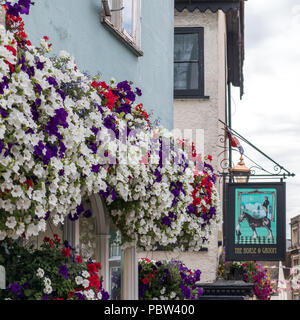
253, 224
255, 214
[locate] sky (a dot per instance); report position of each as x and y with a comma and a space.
269, 113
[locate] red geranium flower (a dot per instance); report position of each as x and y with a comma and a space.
92, 268
66, 252
145, 281
94, 282
78, 259
98, 265
11, 49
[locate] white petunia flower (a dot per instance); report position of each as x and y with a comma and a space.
40, 273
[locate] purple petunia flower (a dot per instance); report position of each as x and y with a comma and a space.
24, 6
88, 213
100, 109
79, 295
29, 131
34, 110
113, 195
104, 194
47, 215
61, 93
191, 208
52, 81
38, 88
95, 130
40, 65
7, 151
200, 292
138, 91
13, 10
15, 288
175, 192
63, 270
1, 146
93, 147
158, 175
3, 113
186, 291
212, 210
105, 295
124, 85
73, 217
95, 168
172, 215
79, 209
166, 221
125, 107
62, 149
108, 122
60, 119
130, 95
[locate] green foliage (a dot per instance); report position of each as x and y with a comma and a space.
167, 280
51, 272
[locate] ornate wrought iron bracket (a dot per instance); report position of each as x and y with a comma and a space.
257, 171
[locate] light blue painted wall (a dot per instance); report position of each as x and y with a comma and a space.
74, 26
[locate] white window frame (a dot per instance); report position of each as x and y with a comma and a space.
112, 18
129, 277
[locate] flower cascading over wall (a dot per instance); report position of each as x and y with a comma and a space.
204, 211
65, 136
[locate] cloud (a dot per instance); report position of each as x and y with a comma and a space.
269, 113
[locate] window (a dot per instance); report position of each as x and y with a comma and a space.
123, 18
188, 63
97, 237
115, 265
295, 237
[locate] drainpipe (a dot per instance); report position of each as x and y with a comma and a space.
229, 124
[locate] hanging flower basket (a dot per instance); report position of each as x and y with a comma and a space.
65, 135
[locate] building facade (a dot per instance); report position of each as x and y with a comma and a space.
294, 254
208, 59
134, 40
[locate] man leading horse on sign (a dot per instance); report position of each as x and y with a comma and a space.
255, 222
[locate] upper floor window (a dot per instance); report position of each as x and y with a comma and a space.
188, 63
295, 236
124, 19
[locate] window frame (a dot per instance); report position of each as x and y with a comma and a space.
199, 92
114, 24
129, 262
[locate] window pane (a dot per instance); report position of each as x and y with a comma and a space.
127, 16
115, 264
186, 47
186, 76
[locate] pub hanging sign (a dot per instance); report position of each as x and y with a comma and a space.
254, 221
